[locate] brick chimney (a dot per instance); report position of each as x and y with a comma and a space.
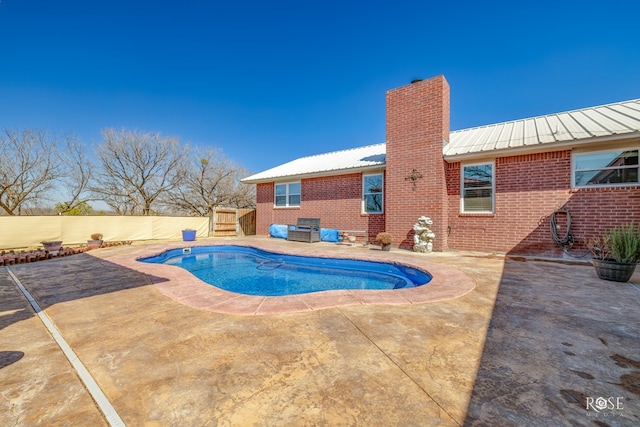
417, 129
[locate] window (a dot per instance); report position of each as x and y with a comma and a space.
477, 188
605, 168
287, 194
372, 193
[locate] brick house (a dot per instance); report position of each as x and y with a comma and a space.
490, 188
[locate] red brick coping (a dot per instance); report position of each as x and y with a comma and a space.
182, 286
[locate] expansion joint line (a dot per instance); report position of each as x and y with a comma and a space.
89, 382
406, 374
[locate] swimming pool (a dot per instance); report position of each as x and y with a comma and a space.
252, 271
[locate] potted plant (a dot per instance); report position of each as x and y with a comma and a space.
95, 242
188, 235
616, 253
384, 239
52, 246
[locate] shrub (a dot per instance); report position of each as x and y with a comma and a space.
625, 243
621, 244
600, 247
384, 238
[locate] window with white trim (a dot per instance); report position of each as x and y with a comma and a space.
372, 193
477, 188
605, 168
287, 194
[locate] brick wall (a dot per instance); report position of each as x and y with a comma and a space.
336, 200
529, 188
417, 127
264, 207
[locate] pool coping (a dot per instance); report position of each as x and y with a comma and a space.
180, 285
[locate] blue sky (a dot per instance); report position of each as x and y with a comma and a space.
270, 81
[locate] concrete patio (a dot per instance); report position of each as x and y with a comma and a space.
534, 343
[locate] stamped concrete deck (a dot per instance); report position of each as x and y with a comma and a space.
531, 344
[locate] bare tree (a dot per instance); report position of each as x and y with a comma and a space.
28, 169
75, 176
211, 181
136, 169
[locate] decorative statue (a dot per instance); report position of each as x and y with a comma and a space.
423, 237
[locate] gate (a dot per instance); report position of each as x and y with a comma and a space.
230, 222
224, 223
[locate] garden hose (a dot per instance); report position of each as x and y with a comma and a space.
567, 239
565, 242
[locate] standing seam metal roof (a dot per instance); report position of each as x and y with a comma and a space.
370, 156
622, 118
594, 122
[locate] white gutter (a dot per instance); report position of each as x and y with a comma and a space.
318, 174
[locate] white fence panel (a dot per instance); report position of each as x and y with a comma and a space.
29, 231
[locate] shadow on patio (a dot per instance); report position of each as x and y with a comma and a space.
559, 338
65, 279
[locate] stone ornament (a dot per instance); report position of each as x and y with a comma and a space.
423, 237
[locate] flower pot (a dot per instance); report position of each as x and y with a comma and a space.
94, 244
608, 269
386, 247
188, 235
52, 247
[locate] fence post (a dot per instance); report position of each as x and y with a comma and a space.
212, 223
238, 234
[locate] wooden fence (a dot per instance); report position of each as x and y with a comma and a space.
233, 222
247, 222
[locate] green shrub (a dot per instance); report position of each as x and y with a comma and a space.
625, 243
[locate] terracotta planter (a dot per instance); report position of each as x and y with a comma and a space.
612, 270
94, 244
52, 247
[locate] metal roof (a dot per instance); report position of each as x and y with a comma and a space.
601, 123
587, 124
336, 162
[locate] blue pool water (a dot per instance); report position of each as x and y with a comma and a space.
253, 271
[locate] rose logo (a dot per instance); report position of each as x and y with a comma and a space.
601, 403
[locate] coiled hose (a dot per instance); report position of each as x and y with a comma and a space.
567, 239
565, 242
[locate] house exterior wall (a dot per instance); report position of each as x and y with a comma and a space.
528, 189
417, 128
418, 181
336, 200
265, 214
